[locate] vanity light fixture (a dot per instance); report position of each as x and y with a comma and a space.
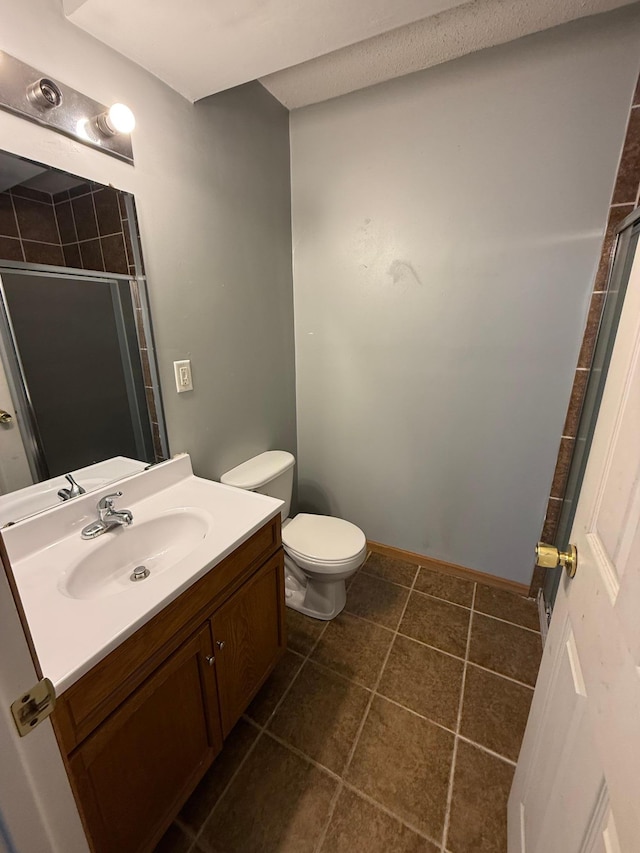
26, 92
44, 93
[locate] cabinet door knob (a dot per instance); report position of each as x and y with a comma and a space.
220, 644
210, 660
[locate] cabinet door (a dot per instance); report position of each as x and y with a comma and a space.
249, 639
135, 771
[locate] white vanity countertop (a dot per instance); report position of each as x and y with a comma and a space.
71, 634
15, 506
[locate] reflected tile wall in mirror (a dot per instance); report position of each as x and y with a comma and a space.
83, 228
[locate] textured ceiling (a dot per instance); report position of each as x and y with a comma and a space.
200, 47
305, 51
423, 44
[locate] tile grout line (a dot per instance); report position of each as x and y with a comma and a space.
342, 782
307, 758
501, 675
55, 219
351, 787
42, 201
95, 216
395, 702
451, 576
75, 226
18, 229
262, 731
434, 648
486, 749
422, 643
346, 784
391, 701
195, 844
354, 746
449, 601
506, 622
447, 815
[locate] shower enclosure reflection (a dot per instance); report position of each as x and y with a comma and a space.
77, 358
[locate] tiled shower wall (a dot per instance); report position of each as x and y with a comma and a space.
82, 228
626, 197
92, 232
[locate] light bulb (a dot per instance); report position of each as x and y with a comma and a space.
118, 119
121, 118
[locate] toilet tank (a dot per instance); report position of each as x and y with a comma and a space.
270, 473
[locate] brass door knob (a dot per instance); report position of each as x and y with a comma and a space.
548, 557
5, 417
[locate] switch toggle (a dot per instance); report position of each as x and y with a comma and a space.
182, 370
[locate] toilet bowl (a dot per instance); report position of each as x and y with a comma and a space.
321, 552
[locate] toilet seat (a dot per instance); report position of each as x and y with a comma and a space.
323, 544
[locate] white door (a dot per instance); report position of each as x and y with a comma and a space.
37, 810
577, 784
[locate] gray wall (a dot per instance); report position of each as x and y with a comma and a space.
238, 328
446, 230
211, 183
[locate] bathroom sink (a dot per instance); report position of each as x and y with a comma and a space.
77, 593
155, 545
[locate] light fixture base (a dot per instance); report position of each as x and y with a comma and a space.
27, 92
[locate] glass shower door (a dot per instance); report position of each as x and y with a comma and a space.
71, 347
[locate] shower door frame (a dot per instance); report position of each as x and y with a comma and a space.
10, 355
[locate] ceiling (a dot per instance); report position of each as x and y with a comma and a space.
200, 47
14, 170
305, 51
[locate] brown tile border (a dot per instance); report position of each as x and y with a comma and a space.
552, 518
628, 177
565, 454
623, 201
591, 330
615, 217
575, 403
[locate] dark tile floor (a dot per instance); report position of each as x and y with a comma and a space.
392, 729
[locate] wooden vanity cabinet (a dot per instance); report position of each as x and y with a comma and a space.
247, 641
142, 762
135, 755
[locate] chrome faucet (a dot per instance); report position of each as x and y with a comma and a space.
108, 517
72, 492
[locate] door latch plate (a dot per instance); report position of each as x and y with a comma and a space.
34, 706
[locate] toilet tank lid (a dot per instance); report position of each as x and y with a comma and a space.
260, 470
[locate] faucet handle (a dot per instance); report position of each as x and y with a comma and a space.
107, 501
73, 491
76, 489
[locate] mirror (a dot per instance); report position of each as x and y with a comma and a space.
78, 376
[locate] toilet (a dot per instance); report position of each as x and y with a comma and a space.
321, 552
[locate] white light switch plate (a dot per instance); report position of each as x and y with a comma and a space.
182, 370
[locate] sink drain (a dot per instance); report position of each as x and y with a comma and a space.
140, 573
